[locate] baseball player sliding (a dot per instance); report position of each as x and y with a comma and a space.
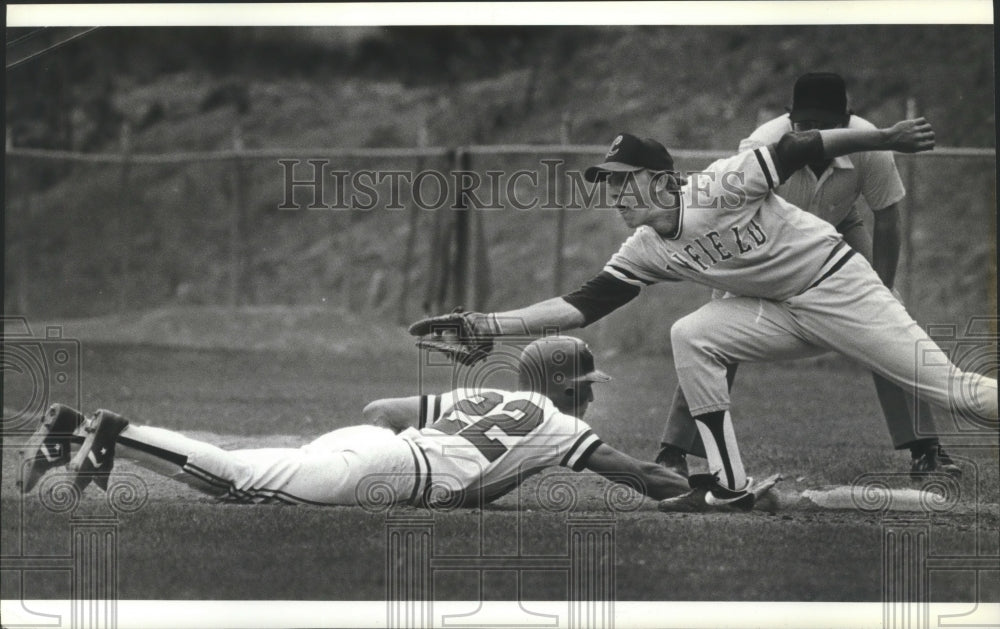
463, 448
830, 189
804, 290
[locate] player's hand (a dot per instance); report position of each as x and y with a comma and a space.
911, 136
466, 337
763, 487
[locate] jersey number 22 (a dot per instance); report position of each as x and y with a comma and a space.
516, 419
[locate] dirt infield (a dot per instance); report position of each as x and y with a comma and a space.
175, 543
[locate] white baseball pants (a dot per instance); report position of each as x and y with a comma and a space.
851, 312
358, 465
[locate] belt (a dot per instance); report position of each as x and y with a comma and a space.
837, 258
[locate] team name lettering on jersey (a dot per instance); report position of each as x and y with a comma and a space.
764, 248
709, 249
753, 236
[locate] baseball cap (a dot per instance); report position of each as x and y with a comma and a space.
629, 153
590, 373
820, 96
557, 359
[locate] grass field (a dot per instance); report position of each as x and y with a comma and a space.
816, 422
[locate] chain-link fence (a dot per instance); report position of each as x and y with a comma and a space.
393, 233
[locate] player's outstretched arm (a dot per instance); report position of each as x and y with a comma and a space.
539, 317
468, 337
650, 479
530, 320
794, 150
593, 300
906, 136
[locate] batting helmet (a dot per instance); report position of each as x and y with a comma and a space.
554, 366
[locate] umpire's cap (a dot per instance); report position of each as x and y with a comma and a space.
552, 364
629, 153
820, 96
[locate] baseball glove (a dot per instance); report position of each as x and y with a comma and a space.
467, 337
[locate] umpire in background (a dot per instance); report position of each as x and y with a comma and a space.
830, 190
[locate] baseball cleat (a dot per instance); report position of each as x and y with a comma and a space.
701, 500
718, 499
934, 460
674, 459
96, 457
48, 447
723, 497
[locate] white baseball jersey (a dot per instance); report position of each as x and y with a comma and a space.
734, 235
480, 444
830, 196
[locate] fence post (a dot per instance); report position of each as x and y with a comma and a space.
411, 232
236, 247
906, 290
124, 224
444, 263
433, 254
482, 281
560, 239
439, 257
462, 162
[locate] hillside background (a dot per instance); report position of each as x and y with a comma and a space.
188, 89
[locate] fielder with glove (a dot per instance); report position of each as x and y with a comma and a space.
803, 290
830, 190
